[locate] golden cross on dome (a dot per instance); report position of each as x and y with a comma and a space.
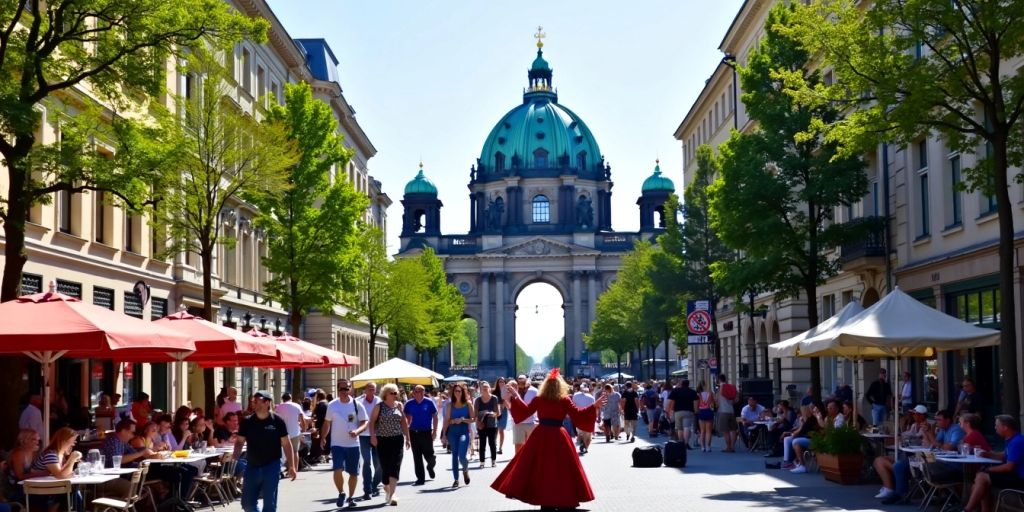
540, 35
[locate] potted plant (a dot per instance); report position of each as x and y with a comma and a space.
838, 452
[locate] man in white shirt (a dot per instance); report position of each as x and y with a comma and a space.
521, 431
371, 464
583, 399
348, 418
906, 392
230, 403
32, 416
291, 413
750, 413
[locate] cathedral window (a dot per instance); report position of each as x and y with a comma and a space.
541, 209
499, 162
581, 160
540, 159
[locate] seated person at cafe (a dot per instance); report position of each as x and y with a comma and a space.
833, 415
785, 420
750, 413
118, 444
1008, 475
58, 460
224, 434
164, 426
148, 436
800, 440
896, 476
19, 463
141, 409
971, 425
854, 420
199, 432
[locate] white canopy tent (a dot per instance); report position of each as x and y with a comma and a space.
398, 371
898, 326
792, 347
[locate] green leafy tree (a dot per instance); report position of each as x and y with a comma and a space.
311, 224
444, 304
466, 342
556, 358
523, 362
117, 49
778, 188
222, 155
412, 322
913, 69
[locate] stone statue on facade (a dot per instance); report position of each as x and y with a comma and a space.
584, 213
495, 209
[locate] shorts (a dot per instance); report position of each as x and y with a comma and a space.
630, 414
705, 415
503, 420
683, 419
296, 442
345, 459
1006, 481
612, 422
725, 422
652, 416
520, 431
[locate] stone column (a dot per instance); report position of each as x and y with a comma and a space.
592, 299
577, 313
485, 318
499, 325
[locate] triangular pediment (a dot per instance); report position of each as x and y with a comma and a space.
541, 246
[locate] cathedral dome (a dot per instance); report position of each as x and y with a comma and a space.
539, 134
420, 185
657, 183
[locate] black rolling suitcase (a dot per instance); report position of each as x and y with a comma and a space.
647, 457
675, 454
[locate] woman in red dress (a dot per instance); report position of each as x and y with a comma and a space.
547, 470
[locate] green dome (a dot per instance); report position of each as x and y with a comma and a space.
420, 185
539, 63
656, 182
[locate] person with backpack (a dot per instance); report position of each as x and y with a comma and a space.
650, 400
726, 417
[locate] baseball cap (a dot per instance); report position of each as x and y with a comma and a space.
264, 394
920, 409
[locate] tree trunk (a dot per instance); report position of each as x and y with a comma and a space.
1009, 360
296, 320
812, 318
667, 373
206, 254
373, 343
11, 368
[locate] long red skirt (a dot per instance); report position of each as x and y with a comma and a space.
546, 472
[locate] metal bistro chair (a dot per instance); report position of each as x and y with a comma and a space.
210, 481
54, 488
129, 501
1008, 496
227, 479
936, 487
917, 483
145, 485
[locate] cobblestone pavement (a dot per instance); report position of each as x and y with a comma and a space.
710, 481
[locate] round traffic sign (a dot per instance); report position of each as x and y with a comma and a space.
699, 322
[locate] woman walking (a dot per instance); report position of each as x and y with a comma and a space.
547, 470
705, 415
457, 417
388, 429
499, 387
487, 412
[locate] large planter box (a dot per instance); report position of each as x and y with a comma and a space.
842, 469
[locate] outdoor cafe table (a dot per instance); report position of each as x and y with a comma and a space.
77, 480
964, 460
176, 497
761, 430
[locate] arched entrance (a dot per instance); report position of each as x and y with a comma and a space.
539, 328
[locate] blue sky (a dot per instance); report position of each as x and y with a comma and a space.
429, 80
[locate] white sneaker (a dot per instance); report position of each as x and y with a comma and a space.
798, 469
886, 493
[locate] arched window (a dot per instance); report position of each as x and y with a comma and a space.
540, 159
581, 160
499, 162
541, 209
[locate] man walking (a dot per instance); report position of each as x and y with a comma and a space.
521, 431
348, 418
583, 399
291, 413
267, 437
371, 464
422, 415
682, 405
880, 396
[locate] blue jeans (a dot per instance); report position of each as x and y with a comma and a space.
458, 441
261, 480
878, 414
371, 465
901, 475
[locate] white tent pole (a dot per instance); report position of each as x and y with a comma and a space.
46, 398
896, 418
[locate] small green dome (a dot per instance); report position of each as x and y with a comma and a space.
539, 63
656, 182
420, 185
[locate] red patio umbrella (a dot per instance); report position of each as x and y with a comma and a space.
216, 342
286, 356
329, 358
51, 325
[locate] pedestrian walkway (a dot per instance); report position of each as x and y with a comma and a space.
710, 481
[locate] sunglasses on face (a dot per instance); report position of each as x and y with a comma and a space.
393, 393
343, 389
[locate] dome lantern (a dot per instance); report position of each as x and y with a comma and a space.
420, 184
656, 182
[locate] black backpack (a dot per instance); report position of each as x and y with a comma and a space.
647, 456
651, 399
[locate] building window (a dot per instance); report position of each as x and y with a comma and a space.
955, 216
874, 198
922, 154
261, 82
828, 306
158, 309
99, 208
246, 70
540, 159
64, 211
70, 288
541, 210
191, 86
103, 297
581, 160
923, 215
31, 284
132, 305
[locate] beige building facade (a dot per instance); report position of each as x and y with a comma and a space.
92, 249
943, 250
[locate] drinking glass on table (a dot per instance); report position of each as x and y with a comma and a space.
115, 462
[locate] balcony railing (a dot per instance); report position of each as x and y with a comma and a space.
870, 243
